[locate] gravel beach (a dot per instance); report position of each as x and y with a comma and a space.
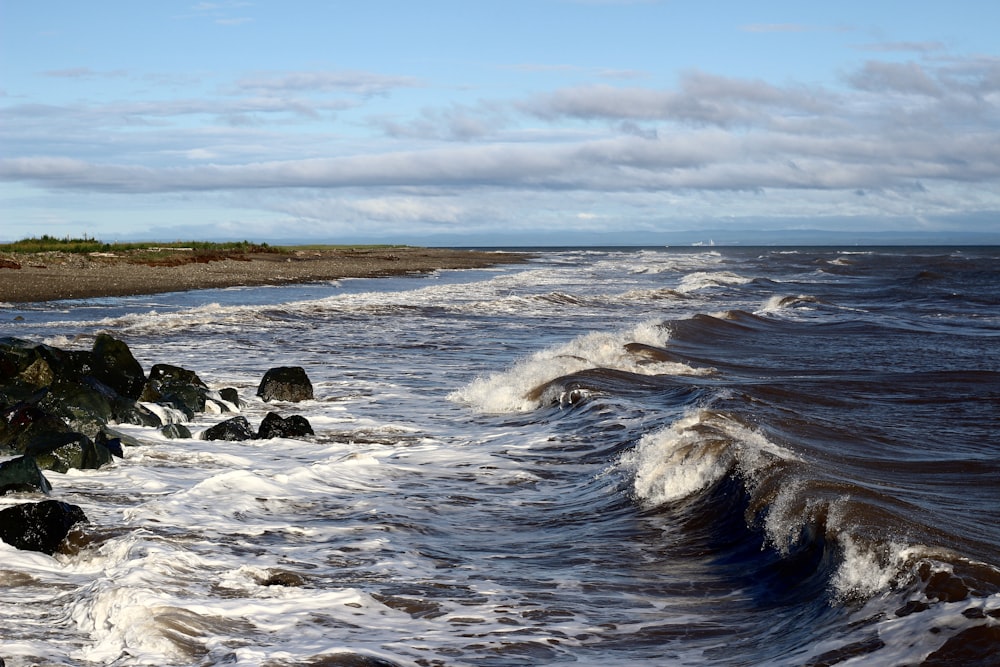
53, 275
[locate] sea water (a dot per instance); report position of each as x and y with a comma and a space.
605, 456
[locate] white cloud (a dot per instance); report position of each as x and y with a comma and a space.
597, 153
907, 78
917, 47
701, 98
83, 73
356, 82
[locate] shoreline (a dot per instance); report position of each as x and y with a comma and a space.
54, 276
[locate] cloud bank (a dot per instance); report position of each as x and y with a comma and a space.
896, 137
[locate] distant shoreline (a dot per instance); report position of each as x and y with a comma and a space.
52, 276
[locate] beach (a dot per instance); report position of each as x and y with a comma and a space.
52, 276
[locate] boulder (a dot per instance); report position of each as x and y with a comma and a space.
285, 383
89, 404
62, 364
123, 439
177, 387
61, 452
37, 374
230, 395
112, 363
176, 431
110, 443
23, 423
15, 356
235, 429
27, 369
39, 526
22, 474
274, 426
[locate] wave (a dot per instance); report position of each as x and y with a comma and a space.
530, 383
792, 536
759, 477
700, 280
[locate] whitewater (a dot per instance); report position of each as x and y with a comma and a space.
604, 456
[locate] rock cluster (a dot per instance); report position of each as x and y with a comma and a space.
56, 407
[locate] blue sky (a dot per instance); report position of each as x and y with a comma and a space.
393, 119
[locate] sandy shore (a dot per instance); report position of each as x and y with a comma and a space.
52, 276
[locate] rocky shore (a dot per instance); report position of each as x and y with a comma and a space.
58, 412
55, 275
58, 409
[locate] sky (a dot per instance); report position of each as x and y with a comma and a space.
489, 120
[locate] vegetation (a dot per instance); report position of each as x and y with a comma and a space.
86, 244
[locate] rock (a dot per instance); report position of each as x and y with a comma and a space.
177, 387
61, 452
89, 404
285, 383
112, 363
67, 364
176, 431
230, 395
22, 474
38, 374
85, 407
281, 578
235, 429
274, 426
17, 356
54, 445
124, 439
113, 445
24, 423
39, 526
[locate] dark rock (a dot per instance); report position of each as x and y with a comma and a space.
112, 363
281, 578
124, 439
274, 426
22, 474
85, 407
285, 383
90, 404
23, 423
39, 365
176, 431
15, 356
61, 452
38, 374
236, 429
177, 387
113, 445
230, 395
67, 364
39, 526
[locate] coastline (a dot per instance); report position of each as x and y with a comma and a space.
53, 276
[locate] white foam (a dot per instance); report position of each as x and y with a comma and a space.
777, 304
509, 391
674, 463
692, 454
700, 280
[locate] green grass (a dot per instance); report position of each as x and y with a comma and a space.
86, 244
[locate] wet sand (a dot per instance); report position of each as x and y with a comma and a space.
54, 276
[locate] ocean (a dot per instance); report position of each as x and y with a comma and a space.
605, 456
